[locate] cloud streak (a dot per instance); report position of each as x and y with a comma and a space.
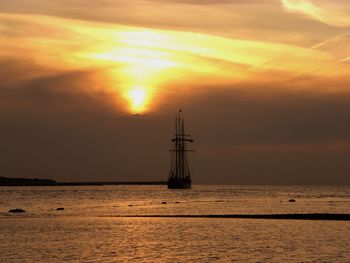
322, 11
151, 58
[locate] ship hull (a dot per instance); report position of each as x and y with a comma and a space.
179, 183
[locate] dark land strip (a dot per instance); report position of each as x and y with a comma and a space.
312, 216
6, 181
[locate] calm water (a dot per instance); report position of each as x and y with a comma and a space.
90, 230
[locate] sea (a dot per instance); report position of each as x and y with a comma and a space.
119, 223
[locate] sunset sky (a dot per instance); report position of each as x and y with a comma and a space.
89, 89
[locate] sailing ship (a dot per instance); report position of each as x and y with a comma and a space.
179, 175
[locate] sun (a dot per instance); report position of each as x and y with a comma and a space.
137, 98
139, 63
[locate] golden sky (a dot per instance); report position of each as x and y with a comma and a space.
139, 49
258, 79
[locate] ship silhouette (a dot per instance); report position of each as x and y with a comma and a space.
179, 175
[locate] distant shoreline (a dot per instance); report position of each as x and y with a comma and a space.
308, 216
6, 181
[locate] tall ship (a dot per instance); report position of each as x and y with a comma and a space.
179, 175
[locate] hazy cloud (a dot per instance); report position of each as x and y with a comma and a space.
333, 13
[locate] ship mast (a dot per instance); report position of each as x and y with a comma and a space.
179, 176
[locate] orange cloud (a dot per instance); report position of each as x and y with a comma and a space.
137, 64
323, 11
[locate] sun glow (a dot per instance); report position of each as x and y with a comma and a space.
140, 65
138, 99
146, 61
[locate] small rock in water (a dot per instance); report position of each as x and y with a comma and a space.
291, 200
60, 209
163, 203
16, 210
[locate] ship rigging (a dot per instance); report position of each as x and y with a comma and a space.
179, 175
